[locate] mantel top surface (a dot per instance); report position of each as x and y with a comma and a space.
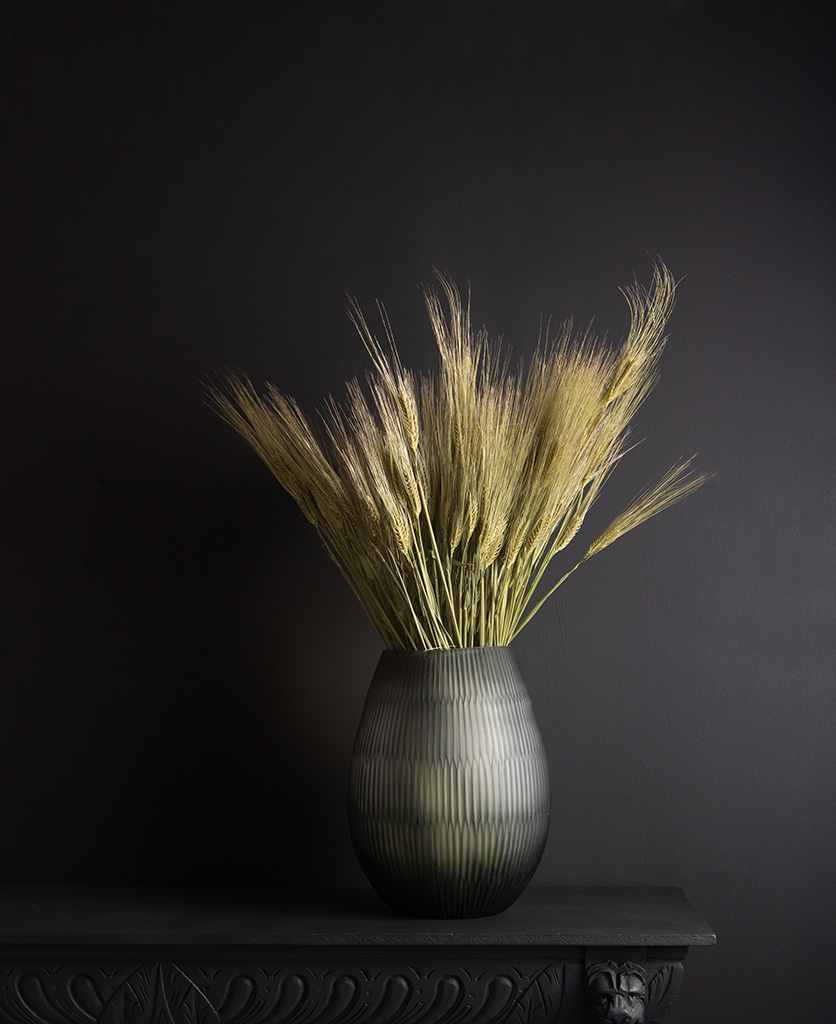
108, 916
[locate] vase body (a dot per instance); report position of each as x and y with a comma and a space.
448, 785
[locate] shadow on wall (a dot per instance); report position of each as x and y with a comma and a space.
258, 739
176, 709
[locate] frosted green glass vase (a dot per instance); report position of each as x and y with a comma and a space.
448, 786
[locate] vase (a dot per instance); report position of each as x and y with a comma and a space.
448, 785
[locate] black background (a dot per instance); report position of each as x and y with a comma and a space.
187, 186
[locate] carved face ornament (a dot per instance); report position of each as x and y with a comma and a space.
615, 994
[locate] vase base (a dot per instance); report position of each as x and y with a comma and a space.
455, 902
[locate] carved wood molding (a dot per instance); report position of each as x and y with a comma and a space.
164, 992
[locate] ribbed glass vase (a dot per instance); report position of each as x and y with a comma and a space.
448, 787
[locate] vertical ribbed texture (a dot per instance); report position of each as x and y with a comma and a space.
448, 788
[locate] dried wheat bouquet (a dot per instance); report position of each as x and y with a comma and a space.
444, 497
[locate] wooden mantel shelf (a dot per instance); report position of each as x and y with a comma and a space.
75, 954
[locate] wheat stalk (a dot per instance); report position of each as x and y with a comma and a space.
444, 499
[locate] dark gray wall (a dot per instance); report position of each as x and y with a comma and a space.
196, 185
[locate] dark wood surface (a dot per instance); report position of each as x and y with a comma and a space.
106, 915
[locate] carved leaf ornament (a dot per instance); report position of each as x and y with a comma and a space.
158, 994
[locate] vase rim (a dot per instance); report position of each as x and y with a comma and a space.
409, 651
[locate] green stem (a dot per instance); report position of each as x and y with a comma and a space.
543, 600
